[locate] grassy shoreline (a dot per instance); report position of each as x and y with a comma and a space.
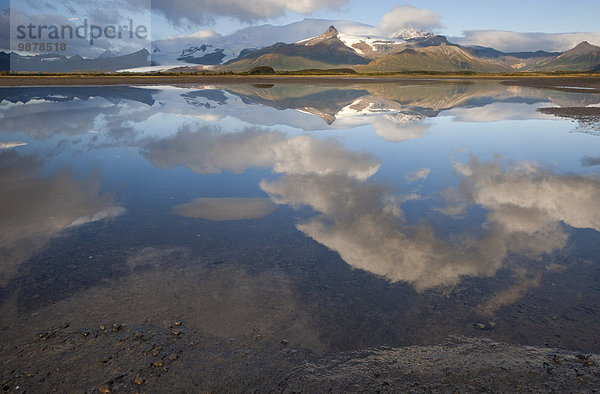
541, 80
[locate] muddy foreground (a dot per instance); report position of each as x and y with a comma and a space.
150, 358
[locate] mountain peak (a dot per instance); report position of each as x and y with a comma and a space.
584, 48
411, 34
330, 33
106, 54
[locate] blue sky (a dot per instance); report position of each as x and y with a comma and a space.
467, 22
550, 16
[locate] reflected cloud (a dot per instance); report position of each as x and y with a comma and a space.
226, 208
496, 112
397, 128
36, 208
524, 197
209, 150
365, 224
364, 221
10, 145
421, 173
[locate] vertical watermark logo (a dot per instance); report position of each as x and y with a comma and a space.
108, 36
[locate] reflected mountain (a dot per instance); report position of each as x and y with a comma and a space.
43, 112
69, 93
323, 101
202, 98
398, 109
36, 207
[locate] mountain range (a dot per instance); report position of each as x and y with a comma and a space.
340, 44
424, 53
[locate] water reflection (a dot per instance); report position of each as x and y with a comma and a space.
209, 150
238, 200
36, 208
226, 208
397, 112
364, 221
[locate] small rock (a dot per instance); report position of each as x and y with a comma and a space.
116, 327
173, 357
480, 326
157, 364
284, 342
104, 388
178, 323
138, 380
193, 343
103, 328
176, 332
492, 324
257, 337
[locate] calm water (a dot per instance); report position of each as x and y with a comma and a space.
336, 217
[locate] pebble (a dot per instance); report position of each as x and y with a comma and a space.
284, 342
116, 327
481, 326
138, 380
175, 332
104, 388
178, 323
157, 363
103, 328
173, 357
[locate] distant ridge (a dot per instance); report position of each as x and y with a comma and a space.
583, 57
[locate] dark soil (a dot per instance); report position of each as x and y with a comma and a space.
153, 359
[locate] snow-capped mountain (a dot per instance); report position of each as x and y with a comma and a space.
370, 46
210, 48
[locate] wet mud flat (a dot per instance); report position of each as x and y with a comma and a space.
588, 84
587, 117
152, 358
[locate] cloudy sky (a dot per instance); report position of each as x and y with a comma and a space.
506, 25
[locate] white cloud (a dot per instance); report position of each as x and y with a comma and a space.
510, 41
407, 16
200, 11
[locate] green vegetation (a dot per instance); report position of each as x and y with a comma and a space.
261, 70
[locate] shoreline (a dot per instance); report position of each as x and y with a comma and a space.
542, 81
